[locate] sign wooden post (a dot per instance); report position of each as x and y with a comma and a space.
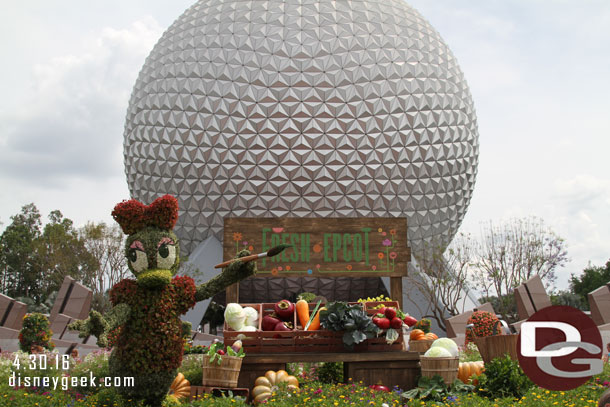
323, 247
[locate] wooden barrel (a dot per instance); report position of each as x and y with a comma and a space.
447, 368
421, 345
223, 375
491, 347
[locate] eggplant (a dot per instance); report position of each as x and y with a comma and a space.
284, 310
269, 322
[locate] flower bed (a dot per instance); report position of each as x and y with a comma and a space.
310, 393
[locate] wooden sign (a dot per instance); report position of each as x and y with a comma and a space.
362, 247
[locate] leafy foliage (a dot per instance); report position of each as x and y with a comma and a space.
512, 252
423, 324
34, 260
331, 372
435, 389
591, 278
192, 368
351, 319
565, 297
503, 377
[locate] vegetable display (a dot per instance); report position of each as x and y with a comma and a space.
351, 319
217, 350
264, 386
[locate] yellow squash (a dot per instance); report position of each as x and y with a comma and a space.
264, 386
180, 387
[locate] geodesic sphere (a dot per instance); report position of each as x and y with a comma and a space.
303, 108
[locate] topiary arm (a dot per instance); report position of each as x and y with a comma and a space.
99, 325
232, 274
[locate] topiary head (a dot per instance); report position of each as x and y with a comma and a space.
152, 249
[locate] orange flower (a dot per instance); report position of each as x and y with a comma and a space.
349, 266
237, 237
380, 255
392, 232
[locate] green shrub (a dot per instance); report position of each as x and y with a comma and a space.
192, 369
331, 372
35, 332
503, 377
470, 353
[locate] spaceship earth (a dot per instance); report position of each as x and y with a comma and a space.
303, 108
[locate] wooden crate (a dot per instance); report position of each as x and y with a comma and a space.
370, 306
379, 344
298, 340
263, 341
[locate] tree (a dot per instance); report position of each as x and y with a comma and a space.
591, 279
513, 252
20, 272
441, 276
565, 297
61, 252
35, 260
106, 245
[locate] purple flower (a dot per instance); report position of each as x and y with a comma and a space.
386, 242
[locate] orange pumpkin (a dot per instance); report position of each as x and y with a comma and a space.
468, 369
417, 334
431, 335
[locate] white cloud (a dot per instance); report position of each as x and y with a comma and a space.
72, 124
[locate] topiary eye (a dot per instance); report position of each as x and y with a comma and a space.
163, 251
166, 253
138, 260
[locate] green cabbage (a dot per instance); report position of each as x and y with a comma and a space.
251, 316
437, 352
447, 344
235, 316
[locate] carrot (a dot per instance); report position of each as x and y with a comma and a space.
302, 308
315, 324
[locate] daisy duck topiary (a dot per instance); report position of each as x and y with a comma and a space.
146, 310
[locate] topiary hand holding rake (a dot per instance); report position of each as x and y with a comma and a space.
147, 310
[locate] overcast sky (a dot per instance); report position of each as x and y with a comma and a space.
538, 71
